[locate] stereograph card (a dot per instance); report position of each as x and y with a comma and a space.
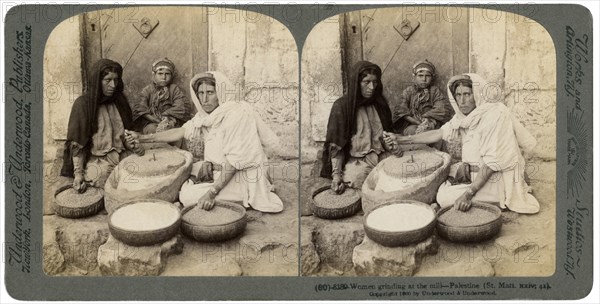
194, 152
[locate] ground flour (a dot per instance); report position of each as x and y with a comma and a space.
144, 217
400, 217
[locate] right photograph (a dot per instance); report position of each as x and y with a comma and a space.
428, 140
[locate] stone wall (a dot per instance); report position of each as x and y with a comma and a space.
62, 81
518, 55
260, 55
321, 81
62, 85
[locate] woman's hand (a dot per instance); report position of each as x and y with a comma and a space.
132, 137
463, 203
395, 139
132, 142
79, 183
129, 144
389, 138
390, 146
207, 201
337, 184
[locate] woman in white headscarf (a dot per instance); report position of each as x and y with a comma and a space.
488, 140
234, 138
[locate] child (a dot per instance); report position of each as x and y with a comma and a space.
422, 106
161, 105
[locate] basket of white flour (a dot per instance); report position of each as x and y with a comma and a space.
400, 223
144, 222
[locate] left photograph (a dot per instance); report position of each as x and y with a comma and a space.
171, 144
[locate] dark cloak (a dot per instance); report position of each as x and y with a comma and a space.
83, 119
341, 125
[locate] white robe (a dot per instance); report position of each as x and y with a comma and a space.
491, 135
234, 133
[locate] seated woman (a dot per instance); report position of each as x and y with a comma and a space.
98, 119
487, 137
353, 144
235, 138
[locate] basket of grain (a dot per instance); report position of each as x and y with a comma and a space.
481, 222
329, 205
224, 221
144, 222
400, 223
70, 203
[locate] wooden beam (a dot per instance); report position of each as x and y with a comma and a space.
200, 42
90, 33
351, 42
460, 44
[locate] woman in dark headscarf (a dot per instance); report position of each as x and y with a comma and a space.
354, 145
95, 137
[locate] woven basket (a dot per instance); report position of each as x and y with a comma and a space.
215, 233
90, 205
334, 213
144, 238
402, 238
471, 234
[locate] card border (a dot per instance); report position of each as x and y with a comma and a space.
38, 286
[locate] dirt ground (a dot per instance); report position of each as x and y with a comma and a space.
525, 246
268, 246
